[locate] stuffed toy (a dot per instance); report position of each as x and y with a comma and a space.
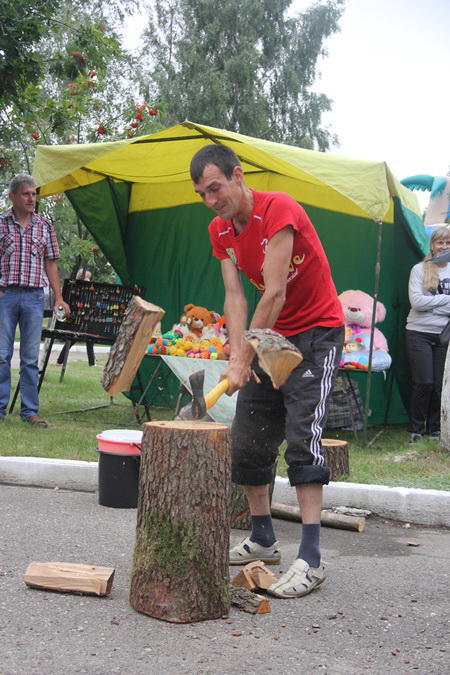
354, 345
358, 307
197, 318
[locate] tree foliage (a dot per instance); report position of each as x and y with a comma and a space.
80, 93
22, 26
247, 66
242, 65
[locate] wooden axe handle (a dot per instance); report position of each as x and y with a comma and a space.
216, 393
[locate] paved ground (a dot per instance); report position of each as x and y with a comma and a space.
383, 609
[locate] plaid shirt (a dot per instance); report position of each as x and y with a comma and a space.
24, 249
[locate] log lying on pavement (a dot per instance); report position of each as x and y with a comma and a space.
70, 577
131, 344
327, 518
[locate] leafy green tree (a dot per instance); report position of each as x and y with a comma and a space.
22, 26
82, 95
244, 65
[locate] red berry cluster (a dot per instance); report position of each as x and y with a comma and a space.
34, 134
6, 163
139, 116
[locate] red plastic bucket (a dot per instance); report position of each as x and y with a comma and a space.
120, 441
119, 455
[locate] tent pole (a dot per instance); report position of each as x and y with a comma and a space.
372, 330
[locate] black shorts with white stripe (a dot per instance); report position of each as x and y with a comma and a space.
297, 413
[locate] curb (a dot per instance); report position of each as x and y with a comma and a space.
412, 505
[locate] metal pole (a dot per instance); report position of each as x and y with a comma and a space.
372, 330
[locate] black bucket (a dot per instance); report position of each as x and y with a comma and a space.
118, 480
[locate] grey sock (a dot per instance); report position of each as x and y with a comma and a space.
310, 545
262, 531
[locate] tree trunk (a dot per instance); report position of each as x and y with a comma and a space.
131, 344
445, 406
180, 564
336, 455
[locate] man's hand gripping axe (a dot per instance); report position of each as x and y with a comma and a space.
276, 355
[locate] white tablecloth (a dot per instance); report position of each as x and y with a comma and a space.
223, 410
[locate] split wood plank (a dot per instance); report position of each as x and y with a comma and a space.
254, 575
130, 346
327, 518
247, 601
70, 577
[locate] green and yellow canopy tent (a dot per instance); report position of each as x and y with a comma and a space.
136, 199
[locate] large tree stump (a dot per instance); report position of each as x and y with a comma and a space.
131, 344
180, 564
336, 456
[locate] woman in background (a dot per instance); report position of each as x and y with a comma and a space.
429, 295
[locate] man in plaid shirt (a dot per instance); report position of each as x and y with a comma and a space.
28, 251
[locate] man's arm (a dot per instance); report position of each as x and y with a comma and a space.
276, 267
51, 270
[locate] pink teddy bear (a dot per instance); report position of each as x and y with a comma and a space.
358, 307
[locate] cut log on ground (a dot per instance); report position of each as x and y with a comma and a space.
254, 575
336, 455
327, 518
180, 564
250, 602
131, 344
70, 577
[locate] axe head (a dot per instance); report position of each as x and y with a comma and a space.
197, 381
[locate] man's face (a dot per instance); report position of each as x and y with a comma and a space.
24, 200
220, 194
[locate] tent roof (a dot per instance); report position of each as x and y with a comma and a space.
355, 186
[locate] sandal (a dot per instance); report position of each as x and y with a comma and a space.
249, 551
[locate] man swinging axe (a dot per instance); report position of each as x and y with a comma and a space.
268, 237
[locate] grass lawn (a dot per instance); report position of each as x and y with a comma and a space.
72, 435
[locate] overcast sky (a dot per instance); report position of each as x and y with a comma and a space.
388, 73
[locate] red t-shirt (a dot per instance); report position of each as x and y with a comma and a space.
311, 298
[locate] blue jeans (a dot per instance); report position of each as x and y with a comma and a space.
23, 307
